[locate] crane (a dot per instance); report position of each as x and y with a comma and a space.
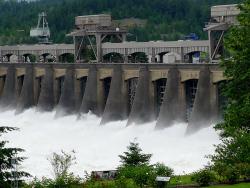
41, 31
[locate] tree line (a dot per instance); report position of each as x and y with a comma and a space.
171, 18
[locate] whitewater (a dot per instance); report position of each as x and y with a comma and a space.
97, 147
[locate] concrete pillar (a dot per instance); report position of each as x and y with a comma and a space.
2, 82
46, 100
143, 108
211, 46
124, 37
26, 98
182, 55
89, 101
173, 108
202, 114
153, 56
8, 98
99, 47
214, 102
115, 108
37, 58
126, 56
67, 102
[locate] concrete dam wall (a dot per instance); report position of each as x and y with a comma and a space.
140, 93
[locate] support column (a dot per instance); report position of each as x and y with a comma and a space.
124, 37
182, 55
46, 99
211, 45
89, 101
153, 56
26, 99
8, 98
67, 103
115, 108
143, 109
202, 115
173, 108
98, 47
126, 56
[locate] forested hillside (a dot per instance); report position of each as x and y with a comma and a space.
172, 19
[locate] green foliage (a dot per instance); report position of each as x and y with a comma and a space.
7, 156
233, 155
66, 181
161, 169
181, 180
140, 174
61, 164
204, 177
134, 156
135, 166
172, 18
240, 185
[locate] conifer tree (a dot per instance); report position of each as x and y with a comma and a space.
8, 159
134, 156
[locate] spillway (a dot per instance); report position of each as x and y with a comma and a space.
97, 147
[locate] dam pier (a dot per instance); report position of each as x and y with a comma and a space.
139, 92
167, 82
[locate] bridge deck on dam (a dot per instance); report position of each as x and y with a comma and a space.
137, 92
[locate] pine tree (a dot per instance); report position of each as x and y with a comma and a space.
134, 156
8, 159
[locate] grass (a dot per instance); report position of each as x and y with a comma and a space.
181, 180
240, 185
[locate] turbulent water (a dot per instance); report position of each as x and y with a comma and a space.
97, 147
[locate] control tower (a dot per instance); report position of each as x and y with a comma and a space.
222, 18
91, 31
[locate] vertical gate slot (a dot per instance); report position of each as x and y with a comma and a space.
60, 84
160, 87
20, 80
106, 88
2, 83
132, 85
191, 89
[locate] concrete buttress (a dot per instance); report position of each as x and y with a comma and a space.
67, 102
115, 108
26, 98
201, 115
46, 100
173, 108
89, 101
142, 110
8, 98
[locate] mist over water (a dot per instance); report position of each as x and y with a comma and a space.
97, 147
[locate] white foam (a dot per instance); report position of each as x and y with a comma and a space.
97, 147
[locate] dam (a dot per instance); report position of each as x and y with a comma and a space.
139, 92
126, 80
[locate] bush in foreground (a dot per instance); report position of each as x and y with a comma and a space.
204, 177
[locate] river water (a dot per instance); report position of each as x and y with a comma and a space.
97, 147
